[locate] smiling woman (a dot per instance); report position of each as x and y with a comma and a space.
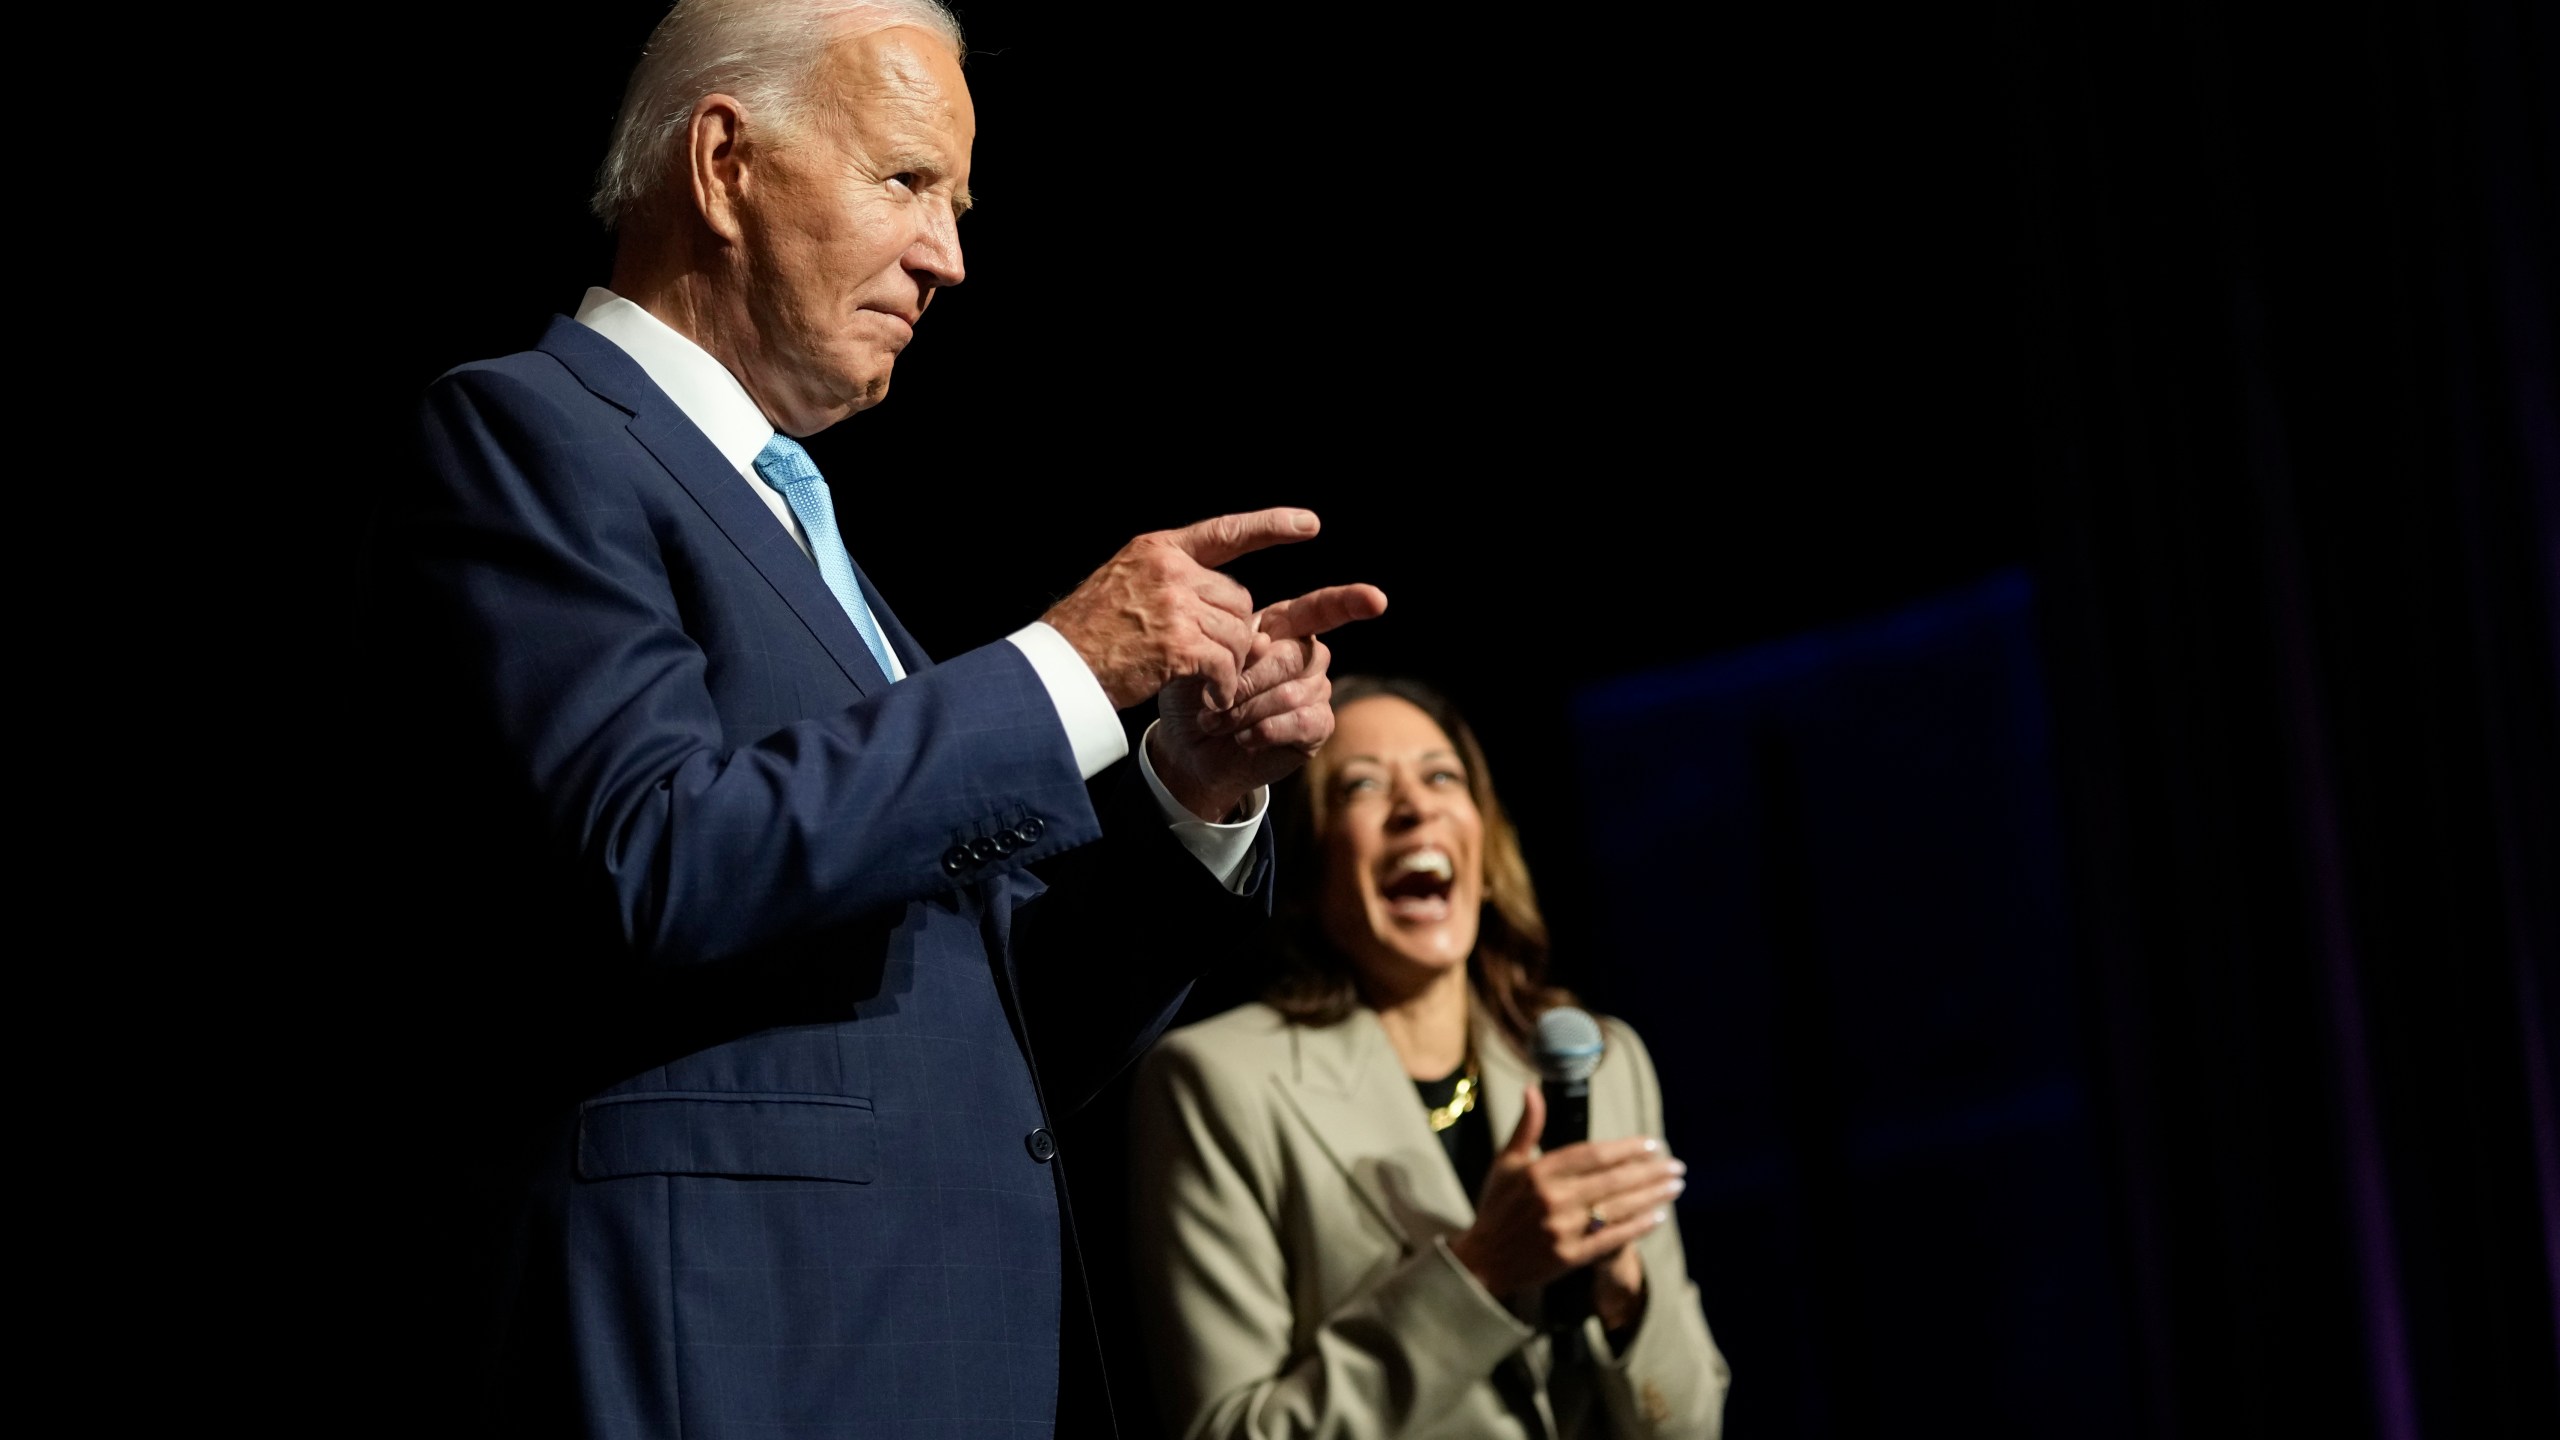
1392, 894
1329, 1235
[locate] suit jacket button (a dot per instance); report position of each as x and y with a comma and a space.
1030, 830
955, 860
1005, 842
983, 850
1042, 1145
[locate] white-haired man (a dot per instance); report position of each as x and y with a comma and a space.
781, 1017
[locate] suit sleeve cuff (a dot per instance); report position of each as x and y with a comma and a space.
1093, 727
1226, 848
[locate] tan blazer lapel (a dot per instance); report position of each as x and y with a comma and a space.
1506, 1074
1357, 1102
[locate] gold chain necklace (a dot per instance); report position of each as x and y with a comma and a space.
1461, 1100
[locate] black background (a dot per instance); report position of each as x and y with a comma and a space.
1604, 341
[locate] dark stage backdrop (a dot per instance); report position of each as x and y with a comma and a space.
1838, 912
1608, 344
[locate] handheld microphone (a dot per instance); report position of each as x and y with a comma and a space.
1568, 1050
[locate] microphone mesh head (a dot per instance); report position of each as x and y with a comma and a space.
1568, 1044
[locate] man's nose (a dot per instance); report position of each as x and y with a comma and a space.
935, 257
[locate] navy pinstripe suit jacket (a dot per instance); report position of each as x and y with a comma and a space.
734, 945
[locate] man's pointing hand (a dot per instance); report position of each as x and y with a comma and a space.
1158, 612
1247, 696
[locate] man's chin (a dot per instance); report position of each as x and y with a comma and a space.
870, 389
864, 394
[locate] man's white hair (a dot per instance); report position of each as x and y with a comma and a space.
761, 51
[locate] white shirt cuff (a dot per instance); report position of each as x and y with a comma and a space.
1093, 727
1227, 849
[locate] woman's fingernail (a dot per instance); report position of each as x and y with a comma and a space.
1678, 1186
1679, 1167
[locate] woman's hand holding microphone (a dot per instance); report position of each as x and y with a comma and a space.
1542, 1215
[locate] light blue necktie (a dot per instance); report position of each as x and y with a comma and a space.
790, 470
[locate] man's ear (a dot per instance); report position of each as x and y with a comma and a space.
715, 154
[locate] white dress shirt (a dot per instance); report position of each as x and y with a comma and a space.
719, 406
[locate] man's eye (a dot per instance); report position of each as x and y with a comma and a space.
906, 178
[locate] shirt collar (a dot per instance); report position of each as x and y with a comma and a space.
700, 385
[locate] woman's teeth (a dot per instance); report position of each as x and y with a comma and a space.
1417, 886
1432, 862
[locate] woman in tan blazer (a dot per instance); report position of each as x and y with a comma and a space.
1342, 1222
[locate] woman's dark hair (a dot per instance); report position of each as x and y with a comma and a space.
1508, 971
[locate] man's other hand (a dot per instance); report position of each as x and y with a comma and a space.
1211, 758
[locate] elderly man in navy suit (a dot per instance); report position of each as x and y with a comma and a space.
758, 1016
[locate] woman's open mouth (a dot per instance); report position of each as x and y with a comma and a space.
1416, 885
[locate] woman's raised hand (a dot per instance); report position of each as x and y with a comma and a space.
1544, 1214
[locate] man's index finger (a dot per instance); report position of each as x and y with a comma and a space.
1320, 610
1221, 538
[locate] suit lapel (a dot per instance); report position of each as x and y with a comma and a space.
1353, 1093
720, 490
903, 645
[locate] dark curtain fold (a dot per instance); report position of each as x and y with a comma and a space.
2289, 340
